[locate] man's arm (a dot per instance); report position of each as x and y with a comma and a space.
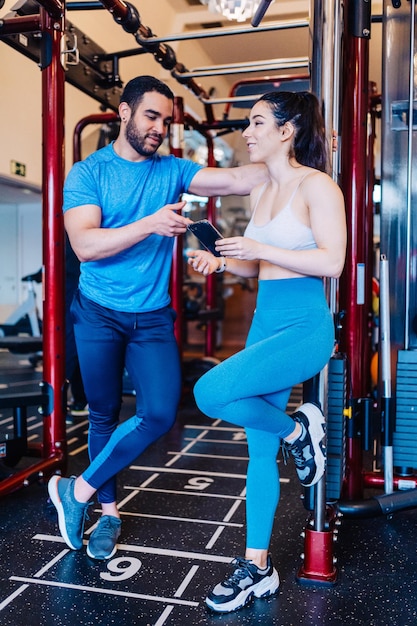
90, 242
226, 181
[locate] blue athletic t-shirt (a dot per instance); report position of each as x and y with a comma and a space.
137, 279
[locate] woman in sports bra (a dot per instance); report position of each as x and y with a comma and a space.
295, 237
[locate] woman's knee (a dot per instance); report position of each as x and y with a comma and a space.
205, 396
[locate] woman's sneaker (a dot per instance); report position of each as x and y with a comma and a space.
103, 541
308, 450
71, 513
246, 581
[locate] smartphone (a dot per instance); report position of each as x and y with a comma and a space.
206, 234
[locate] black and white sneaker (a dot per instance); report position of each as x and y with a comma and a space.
308, 450
246, 581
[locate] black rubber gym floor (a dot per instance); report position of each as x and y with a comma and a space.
182, 505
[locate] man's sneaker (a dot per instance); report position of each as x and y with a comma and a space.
71, 513
246, 581
308, 450
103, 540
78, 409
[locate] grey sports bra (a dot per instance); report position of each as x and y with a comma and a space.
284, 230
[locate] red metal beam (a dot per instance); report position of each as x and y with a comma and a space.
355, 336
211, 281
95, 118
54, 8
354, 184
53, 80
20, 24
177, 133
53, 448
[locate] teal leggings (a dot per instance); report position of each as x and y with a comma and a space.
290, 340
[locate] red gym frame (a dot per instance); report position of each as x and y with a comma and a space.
52, 451
318, 564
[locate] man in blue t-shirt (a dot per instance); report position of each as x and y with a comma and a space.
122, 214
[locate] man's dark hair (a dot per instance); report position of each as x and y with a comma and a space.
136, 88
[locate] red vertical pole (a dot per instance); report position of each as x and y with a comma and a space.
53, 80
355, 335
211, 282
176, 143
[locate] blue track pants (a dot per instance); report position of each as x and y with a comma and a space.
108, 340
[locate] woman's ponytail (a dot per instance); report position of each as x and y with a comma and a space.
302, 109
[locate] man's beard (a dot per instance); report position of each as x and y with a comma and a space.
137, 141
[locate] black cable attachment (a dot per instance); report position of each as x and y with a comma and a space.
131, 22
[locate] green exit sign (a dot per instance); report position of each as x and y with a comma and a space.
18, 168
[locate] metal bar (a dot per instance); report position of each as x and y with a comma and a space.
385, 335
319, 518
239, 68
231, 99
54, 8
225, 125
176, 148
20, 24
10, 401
116, 7
272, 80
411, 88
211, 280
332, 93
95, 118
53, 449
123, 54
326, 64
84, 6
260, 12
53, 81
385, 354
35, 472
223, 32
354, 176
355, 340
248, 64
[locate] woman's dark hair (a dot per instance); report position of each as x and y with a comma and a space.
136, 88
302, 109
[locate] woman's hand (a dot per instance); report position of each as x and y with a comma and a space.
204, 262
241, 248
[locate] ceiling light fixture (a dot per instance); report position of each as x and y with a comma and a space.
239, 10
